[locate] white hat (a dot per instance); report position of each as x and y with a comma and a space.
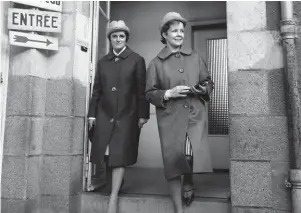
171, 16
115, 26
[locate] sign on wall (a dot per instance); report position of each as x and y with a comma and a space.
33, 40
49, 5
34, 20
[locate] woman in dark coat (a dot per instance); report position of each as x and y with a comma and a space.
178, 84
118, 103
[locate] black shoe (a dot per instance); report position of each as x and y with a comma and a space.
188, 200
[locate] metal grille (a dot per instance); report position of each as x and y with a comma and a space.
218, 116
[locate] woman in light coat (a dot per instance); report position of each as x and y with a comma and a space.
178, 84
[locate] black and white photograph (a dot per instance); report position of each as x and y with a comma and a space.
150, 106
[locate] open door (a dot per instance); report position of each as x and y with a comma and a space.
210, 39
95, 175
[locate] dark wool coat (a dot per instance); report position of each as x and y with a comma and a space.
181, 116
118, 101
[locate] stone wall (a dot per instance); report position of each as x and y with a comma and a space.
258, 122
43, 144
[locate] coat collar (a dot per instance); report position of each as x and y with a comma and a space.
123, 55
165, 52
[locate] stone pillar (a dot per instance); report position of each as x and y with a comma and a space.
258, 123
44, 133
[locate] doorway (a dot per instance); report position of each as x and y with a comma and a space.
209, 38
147, 177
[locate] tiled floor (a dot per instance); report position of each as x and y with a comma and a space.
152, 182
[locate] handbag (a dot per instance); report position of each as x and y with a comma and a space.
91, 132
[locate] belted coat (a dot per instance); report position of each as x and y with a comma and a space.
180, 116
118, 101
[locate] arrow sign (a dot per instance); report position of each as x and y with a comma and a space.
24, 39
33, 40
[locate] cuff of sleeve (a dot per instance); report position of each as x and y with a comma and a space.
166, 95
91, 118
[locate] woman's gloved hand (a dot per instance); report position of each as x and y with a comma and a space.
176, 92
199, 89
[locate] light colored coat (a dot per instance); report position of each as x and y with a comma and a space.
181, 116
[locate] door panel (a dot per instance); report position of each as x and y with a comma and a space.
211, 42
95, 174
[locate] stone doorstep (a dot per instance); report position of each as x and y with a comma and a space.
138, 203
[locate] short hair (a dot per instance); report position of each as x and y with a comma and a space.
127, 35
166, 27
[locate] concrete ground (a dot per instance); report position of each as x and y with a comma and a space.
151, 181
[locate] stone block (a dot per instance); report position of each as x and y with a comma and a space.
251, 184
80, 97
276, 90
57, 135
33, 176
75, 204
68, 141
16, 135
241, 18
23, 135
77, 146
28, 62
13, 206
33, 205
273, 15
36, 135
59, 101
66, 37
54, 204
26, 95
259, 138
246, 90
13, 183
55, 175
254, 50
76, 174
256, 210
281, 194
60, 64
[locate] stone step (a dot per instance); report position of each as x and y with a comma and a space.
137, 203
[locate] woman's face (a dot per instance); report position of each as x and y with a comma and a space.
118, 40
175, 34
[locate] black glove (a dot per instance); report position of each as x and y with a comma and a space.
199, 89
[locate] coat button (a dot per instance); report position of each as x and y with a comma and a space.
177, 55
113, 89
185, 106
116, 59
181, 70
112, 120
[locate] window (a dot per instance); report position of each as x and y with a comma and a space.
218, 116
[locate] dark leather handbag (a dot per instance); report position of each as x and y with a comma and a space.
91, 133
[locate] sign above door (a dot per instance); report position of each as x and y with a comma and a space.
48, 5
34, 20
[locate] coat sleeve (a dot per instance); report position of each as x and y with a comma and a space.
205, 79
143, 104
154, 94
97, 90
